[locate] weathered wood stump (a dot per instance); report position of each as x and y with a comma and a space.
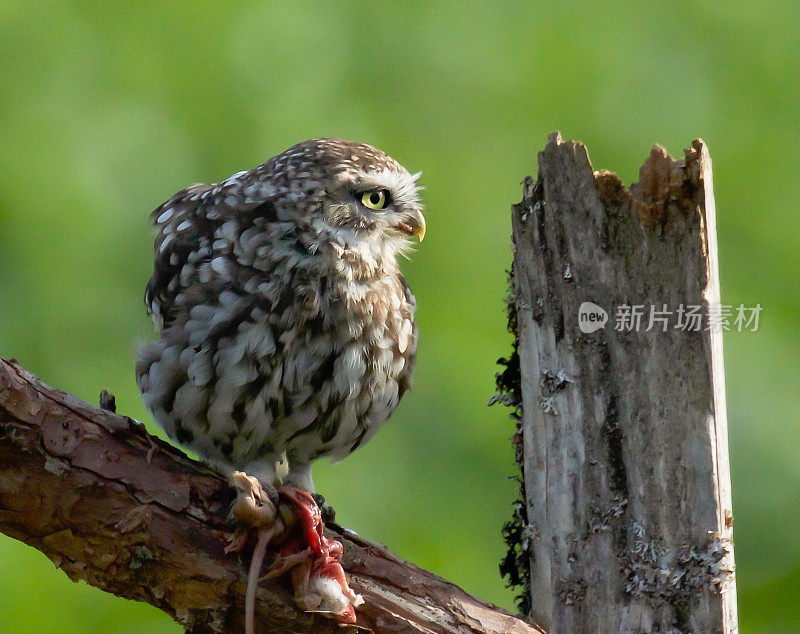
623, 425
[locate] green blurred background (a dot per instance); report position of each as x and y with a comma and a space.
108, 108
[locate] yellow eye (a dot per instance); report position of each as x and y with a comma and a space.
375, 198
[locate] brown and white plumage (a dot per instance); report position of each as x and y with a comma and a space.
287, 330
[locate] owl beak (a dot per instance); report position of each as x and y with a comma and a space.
413, 225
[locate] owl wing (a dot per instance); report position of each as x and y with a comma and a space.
188, 225
184, 239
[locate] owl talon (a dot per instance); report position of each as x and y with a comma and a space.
326, 511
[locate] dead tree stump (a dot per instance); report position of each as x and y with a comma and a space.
623, 429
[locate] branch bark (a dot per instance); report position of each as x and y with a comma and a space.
130, 514
624, 430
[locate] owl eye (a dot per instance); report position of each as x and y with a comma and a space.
375, 198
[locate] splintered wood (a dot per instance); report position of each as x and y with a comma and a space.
623, 398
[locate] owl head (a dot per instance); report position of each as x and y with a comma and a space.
351, 193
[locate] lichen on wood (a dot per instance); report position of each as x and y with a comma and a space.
514, 566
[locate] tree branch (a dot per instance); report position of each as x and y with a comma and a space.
130, 514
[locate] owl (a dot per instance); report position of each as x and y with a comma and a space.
287, 330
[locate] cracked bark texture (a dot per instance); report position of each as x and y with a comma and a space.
129, 514
625, 468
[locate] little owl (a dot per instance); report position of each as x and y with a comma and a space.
286, 328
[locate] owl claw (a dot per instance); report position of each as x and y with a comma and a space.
326, 510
